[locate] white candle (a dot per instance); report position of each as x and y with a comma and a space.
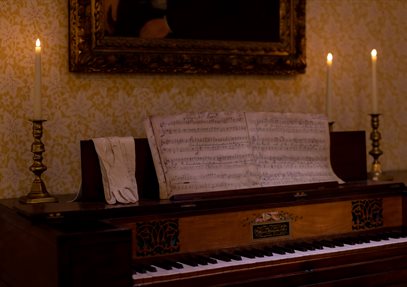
329, 59
374, 82
37, 84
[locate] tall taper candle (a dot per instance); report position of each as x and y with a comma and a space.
329, 59
374, 82
37, 84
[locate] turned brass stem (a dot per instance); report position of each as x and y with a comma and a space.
376, 172
38, 192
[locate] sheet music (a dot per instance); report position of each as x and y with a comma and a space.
290, 148
204, 152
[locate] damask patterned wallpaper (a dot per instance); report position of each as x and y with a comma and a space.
82, 106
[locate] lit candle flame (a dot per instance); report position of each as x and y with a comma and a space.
38, 43
329, 58
374, 53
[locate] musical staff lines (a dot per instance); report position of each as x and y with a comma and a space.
203, 152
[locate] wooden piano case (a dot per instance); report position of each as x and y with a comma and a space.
90, 243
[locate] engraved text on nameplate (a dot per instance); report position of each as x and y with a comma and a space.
271, 230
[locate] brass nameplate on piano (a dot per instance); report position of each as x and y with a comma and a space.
271, 230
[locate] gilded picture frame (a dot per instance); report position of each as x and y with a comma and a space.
92, 49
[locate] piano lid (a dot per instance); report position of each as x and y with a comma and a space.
66, 210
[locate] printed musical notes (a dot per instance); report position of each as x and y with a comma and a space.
205, 152
290, 148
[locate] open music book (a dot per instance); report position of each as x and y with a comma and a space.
217, 151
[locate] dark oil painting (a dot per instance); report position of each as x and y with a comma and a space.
188, 36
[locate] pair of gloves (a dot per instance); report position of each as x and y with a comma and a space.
117, 159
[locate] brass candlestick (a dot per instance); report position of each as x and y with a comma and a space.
38, 193
376, 172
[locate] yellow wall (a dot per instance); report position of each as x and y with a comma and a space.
82, 106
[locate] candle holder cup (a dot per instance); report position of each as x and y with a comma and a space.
376, 172
38, 192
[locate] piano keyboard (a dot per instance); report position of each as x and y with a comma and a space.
198, 265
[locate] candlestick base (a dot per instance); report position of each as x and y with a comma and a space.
376, 172
38, 192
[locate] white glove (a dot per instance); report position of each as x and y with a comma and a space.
118, 165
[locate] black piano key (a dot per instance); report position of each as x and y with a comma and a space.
357, 240
274, 250
383, 236
143, 268
314, 245
267, 251
139, 269
164, 264
278, 250
234, 256
317, 245
222, 256
297, 246
206, 260
245, 253
203, 259
375, 238
151, 268
363, 239
210, 259
176, 264
394, 234
401, 233
189, 261
257, 252
288, 249
337, 242
348, 240
281, 250
307, 246
327, 243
